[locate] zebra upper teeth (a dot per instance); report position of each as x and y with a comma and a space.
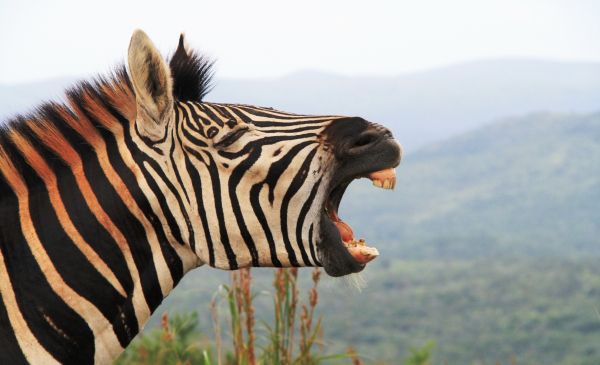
385, 179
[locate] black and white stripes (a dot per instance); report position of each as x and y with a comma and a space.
264, 170
108, 200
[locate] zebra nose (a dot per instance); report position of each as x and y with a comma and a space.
370, 136
354, 136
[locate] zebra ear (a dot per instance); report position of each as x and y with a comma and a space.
152, 83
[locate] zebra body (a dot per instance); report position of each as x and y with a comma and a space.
108, 200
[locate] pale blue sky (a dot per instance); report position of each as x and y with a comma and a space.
46, 39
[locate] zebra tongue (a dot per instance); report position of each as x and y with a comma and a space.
358, 249
345, 231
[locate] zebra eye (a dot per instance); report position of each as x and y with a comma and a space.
212, 131
231, 137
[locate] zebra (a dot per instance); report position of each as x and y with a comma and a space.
108, 198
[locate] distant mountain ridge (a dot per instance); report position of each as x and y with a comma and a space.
420, 108
432, 105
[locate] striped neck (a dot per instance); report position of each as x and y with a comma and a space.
86, 252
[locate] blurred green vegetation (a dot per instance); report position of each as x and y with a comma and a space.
479, 311
294, 335
420, 356
540, 311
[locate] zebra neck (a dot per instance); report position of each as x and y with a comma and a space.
84, 257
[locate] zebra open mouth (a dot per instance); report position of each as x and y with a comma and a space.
361, 149
360, 252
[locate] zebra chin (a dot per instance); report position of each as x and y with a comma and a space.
363, 150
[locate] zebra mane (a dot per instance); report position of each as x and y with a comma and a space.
192, 80
114, 91
191, 72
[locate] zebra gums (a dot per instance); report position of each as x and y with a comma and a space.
108, 199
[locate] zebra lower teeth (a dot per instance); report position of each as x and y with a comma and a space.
361, 252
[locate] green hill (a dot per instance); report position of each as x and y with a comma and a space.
484, 311
527, 186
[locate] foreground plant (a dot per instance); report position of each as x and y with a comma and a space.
292, 336
177, 341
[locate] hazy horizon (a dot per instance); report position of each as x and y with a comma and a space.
69, 78
419, 107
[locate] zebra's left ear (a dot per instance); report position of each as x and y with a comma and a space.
152, 83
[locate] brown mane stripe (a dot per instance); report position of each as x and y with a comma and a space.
45, 172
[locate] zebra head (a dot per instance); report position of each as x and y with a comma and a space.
247, 185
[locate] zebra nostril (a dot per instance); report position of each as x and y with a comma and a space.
364, 140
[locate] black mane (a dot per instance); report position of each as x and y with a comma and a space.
192, 74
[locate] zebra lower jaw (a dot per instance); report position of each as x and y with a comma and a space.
334, 262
